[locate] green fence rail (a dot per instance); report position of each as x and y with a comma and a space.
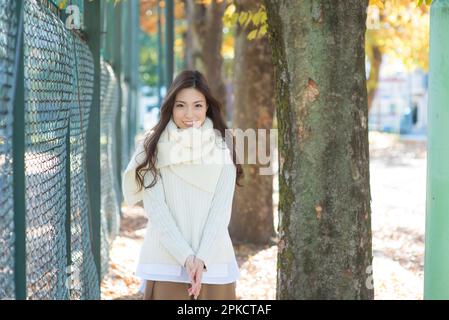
48, 233
436, 258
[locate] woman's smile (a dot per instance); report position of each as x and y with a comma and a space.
191, 123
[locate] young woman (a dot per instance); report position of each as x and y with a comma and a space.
185, 171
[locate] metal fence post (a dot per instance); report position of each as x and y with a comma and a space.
137, 63
126, 57
436, 265
116, 48
68, 218
109, 39
135, 23
93, 27
169, 41
19, 161
160, 59
130, 76
131, 25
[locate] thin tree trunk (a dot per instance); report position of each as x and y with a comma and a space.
252, 218
324, 206
205, 36
373, 79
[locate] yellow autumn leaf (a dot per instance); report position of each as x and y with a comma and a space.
252, 34
378, 3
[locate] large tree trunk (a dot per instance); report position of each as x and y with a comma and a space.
205, 36
324, 206
252, 218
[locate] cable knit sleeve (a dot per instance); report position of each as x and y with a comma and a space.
159, 215
219, 214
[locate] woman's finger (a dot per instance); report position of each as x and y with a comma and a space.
194, 281
198, 278
197, 292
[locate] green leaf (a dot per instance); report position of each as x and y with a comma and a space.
248, 20
264, 17
234, 18
252, 34
243, 17
257, 17
263, 30
428, 2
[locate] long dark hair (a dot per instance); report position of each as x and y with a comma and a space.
185, 79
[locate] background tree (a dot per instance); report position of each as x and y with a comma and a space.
254, 105
325, 249
203, 43
400, 29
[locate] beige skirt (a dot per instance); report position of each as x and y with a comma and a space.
167, 290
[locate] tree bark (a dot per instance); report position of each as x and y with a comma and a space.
205, 36
325, 249
252, 218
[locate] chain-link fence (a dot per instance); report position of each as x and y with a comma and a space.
110, 211
58, 90
8, 32
85, 281
49, 96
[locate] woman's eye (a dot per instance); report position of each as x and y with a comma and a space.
179, 105
199, 105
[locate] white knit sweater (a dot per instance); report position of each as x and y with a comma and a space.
185, 220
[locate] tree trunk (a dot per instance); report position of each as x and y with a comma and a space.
252, 218
375, 58
324, 206
205, 36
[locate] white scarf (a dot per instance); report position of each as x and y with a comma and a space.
196, 155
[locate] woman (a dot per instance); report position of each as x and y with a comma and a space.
185, 173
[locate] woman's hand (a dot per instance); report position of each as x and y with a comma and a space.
189, 264
197, 270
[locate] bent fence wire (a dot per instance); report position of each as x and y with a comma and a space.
110, 210
58, 89
85, 276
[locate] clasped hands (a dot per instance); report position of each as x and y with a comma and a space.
194, 267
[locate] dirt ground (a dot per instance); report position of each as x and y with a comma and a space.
398, 185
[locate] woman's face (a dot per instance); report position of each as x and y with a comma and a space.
190, 108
